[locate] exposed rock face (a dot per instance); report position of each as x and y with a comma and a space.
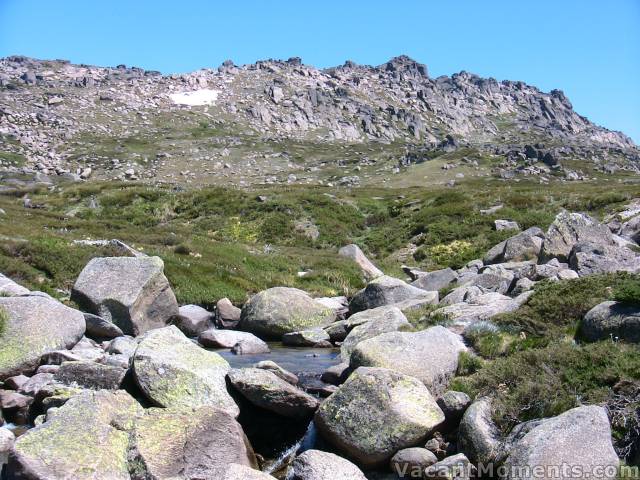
131, 292
267, 390
276, 311
579, 439
436, 280
213, 338
307, 338
193, 320
90, 375
227, 314
99, 328
430, 355
377, 412
478, 436
36, 325
375, 322
354, 253
590, 258
523, 246
190, 443
611, 320
387, 290
174, 372
86, 438
319, 465
482, 307
567, 230
10, 288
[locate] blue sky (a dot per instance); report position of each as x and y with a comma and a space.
588, 48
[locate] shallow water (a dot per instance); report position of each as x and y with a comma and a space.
296, 360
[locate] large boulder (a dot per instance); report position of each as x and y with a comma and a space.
387, 290
131, 292
589, 258
172, 371
377, 412
276, 311
267, 390
578, 440
86, 438
521, 247
33, 327
430, 355
478, 436
9, 288
435, 280
567, 230
319, 465
354, 253
611, 320
192, 320
189, 443
481, 307
374, 322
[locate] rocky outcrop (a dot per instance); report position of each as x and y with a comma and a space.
190, 443
481, 307
523, 246
174, 372
387, 290
579, 439
86, 438
319, 465
589, 259
131, 292
377, 412
569, 229
430, 355
276, 311
611, 320
374, 322
35, 326
267, 390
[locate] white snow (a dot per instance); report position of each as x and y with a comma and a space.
205, 96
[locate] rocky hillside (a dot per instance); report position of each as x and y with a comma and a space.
286, 122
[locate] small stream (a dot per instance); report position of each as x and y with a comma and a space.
277, 439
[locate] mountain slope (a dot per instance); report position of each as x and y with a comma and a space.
282, 121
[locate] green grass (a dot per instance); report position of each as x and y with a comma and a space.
544, 382
4, 318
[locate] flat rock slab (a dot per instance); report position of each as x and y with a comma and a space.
430, 355
172, 371
35, 326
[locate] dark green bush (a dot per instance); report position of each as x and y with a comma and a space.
628, 291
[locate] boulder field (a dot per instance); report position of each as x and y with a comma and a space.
130, 385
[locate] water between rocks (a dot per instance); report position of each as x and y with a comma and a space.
277, 439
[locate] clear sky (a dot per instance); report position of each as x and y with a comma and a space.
588, 48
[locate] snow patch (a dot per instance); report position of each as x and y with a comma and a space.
195, 98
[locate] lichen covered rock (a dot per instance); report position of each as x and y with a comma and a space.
377, 412
172, 371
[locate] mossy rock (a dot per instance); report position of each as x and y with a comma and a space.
276, 311
86, 438
377, 412
34, 326
190, 443
172, 371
